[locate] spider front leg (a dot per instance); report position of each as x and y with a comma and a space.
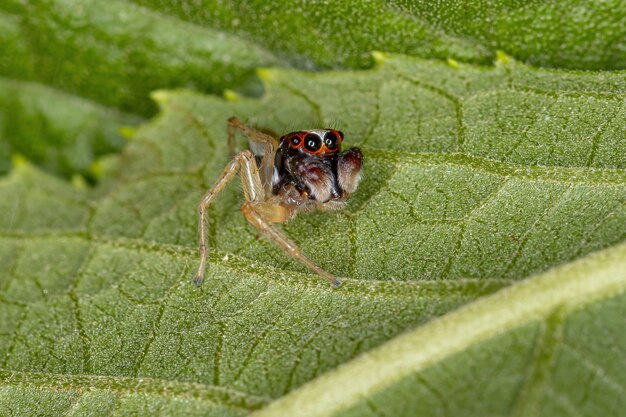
253, 191
260, 213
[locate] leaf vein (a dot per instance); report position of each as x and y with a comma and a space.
129, 385
595, 368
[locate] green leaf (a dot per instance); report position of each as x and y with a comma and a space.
553, 345
325, 34
61, 133
115, 53
573, 34
97, 308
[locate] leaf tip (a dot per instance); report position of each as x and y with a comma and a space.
106, 166
19, 161
502, 58
452, 63
379, 57
96, 169
127, 132
78, 182
160, 96
230, 95
265, 74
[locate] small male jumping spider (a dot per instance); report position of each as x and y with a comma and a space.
303, 171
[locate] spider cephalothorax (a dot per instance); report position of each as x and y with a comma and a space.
303, 171
312, 161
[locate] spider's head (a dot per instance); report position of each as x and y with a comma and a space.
313, 160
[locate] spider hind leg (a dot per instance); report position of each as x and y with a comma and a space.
252, 211
263, 146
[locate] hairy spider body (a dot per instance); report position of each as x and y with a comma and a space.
302, 171
323, 179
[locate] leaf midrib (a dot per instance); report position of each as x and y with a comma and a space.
565, 289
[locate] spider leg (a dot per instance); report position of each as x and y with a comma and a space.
254, 135
252, 212
269, 148
259, 212
244, 163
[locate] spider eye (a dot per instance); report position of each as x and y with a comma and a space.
312, 142
295, 141
331, 141
340, 135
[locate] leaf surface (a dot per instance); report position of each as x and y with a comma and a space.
576, 34
61, 133
115, 53
535, 349
97, 305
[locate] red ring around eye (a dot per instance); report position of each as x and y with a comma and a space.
295, 141
315, 144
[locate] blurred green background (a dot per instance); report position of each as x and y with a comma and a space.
75, 72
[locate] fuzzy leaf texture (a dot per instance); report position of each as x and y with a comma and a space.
476, 178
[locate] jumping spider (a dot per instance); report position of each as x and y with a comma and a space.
302, 171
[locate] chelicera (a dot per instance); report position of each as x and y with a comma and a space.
302, 171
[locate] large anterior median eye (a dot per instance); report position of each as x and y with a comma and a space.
331, 141
312, 142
